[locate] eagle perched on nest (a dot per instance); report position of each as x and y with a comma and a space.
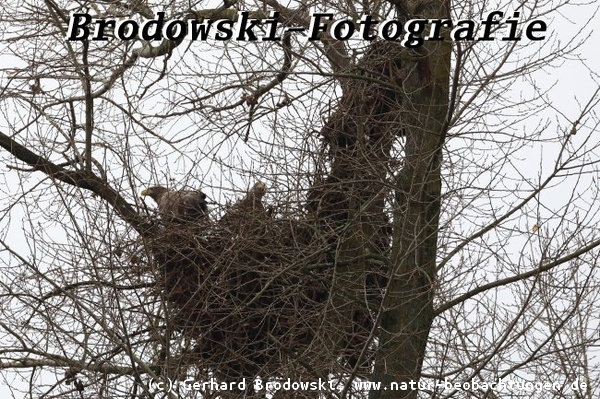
251, 204
253, 199
178, 206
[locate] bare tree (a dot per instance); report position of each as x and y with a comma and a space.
385, 221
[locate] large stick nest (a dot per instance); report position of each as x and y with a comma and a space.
251, 290
247, 289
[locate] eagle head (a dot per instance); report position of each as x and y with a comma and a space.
259, 189
155, 193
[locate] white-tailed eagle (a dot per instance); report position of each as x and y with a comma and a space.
253, 199
248, 208
178, 206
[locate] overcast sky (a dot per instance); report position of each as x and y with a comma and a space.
573, 84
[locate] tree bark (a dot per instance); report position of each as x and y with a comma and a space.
408, 302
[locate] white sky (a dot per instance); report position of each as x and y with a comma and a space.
572, 84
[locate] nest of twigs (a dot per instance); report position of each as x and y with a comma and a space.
248, 290
251, 290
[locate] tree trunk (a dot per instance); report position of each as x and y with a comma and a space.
408, 302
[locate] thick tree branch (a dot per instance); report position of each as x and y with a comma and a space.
78, 178
518, 277
286, 68
89, 106
59, 361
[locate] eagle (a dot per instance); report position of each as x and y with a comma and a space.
248, 207
253, 199
178, 206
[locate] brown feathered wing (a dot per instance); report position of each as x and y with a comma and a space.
183, 205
